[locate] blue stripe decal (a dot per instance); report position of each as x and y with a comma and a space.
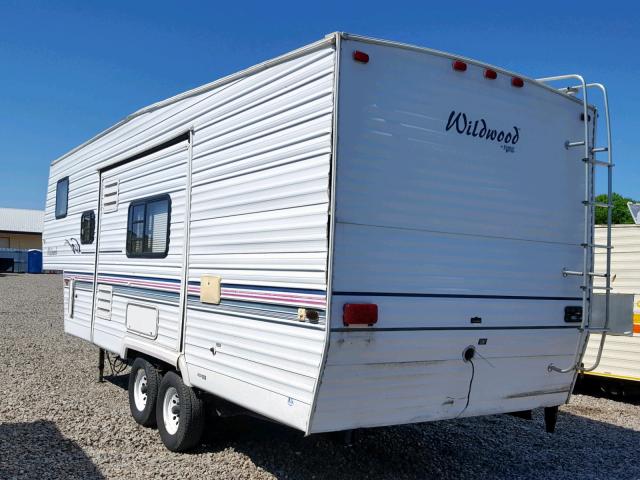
197, 283
135, 277
265, 288
424, 329
271, 307
238, 307
453, 295
248, 310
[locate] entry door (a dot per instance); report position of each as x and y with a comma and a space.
140, 252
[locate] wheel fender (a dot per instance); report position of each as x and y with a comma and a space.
182, 367
153, 351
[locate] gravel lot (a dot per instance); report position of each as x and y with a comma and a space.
57, 422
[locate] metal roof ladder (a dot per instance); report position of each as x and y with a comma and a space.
590, 204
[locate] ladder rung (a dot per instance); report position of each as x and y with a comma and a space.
596, 245
598, 330
597, 204
601, 163
600, 149
595, 287
596, 274
566, 273
568, 144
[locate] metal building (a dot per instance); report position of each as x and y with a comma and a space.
20, 228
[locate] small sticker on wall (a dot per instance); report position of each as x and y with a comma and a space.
290, 401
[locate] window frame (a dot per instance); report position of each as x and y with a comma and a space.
93, 227
66, 210
145, 201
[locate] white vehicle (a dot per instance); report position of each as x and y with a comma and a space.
355, 234
620, 358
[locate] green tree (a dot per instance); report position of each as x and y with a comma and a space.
620, 212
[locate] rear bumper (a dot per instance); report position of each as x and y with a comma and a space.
379, 378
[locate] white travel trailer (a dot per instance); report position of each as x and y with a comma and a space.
620, 357
358, 233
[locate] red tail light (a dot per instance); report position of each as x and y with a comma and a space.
517, 82
490, 74
361, 57
459, 66
359, 313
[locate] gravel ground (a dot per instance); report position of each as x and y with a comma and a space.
57, 422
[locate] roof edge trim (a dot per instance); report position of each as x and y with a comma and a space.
327, 40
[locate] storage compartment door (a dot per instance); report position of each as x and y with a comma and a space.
78, 296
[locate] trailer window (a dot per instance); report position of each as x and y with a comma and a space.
148, 227
62, 197
87, 227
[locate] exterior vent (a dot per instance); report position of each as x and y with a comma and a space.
103, 302
110, 195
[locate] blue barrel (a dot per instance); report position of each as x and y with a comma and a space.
34, 261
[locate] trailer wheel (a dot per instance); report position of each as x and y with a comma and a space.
180, 414
144, 382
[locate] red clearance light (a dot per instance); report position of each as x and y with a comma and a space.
359, 314
517, 82
361, 57
490, 74
459, 66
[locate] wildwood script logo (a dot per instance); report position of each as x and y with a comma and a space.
461, 123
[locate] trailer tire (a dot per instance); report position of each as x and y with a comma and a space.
144, 382
180, 414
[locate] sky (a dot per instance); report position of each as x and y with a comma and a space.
71, 69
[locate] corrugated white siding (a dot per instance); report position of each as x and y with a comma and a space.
281, 359
259, 219
625, 258
438, 227
60, 234
260, 202
621, 355
160, 125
